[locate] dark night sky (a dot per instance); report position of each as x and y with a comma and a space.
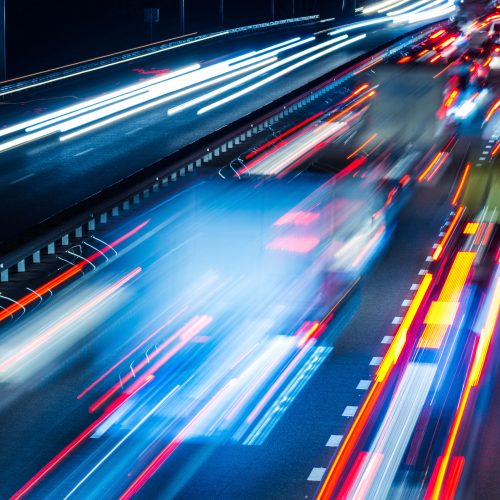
47, 33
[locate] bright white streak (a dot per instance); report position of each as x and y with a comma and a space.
377, 6
245, 79
413, 6
278, 75
278, 45
97, 100
297, 148
361, 24
117, 445
157, 102
394, 433
412, 17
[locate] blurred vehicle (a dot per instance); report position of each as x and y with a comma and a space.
332, 236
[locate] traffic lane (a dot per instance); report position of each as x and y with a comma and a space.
169, 273
280, 467
481, 478
51, 97
92, 162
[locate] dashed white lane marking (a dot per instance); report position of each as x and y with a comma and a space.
350, 411
435, 245
130, 132
406, 302
334, 440
481, 158
376, 360
363, 385
414, 286
397, 320
317, 474
84, 152
441, 233
488, 147
422, 272
429, 258
387, 339
21, 179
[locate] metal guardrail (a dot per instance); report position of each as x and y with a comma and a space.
109, 203
46, 77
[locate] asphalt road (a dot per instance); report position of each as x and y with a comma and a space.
194, 263
45, 177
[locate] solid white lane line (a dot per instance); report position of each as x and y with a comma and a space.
21, 179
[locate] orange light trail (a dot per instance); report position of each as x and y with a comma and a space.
370, 139
434, 491
454, 201
404, 60
451, 98
347, 447
437, 34
431, 165
442, 243
363, 416
442, 71
495, 149
70, 447
447, 42
486, 335
349, 108
492, 111
392, 355
63, 277
66, 321
368, 66
356, 92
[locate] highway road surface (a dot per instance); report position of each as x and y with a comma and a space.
221, 340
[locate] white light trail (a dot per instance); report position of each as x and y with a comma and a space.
278, 74
360, 24
156, 102
95, 101
253, 76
